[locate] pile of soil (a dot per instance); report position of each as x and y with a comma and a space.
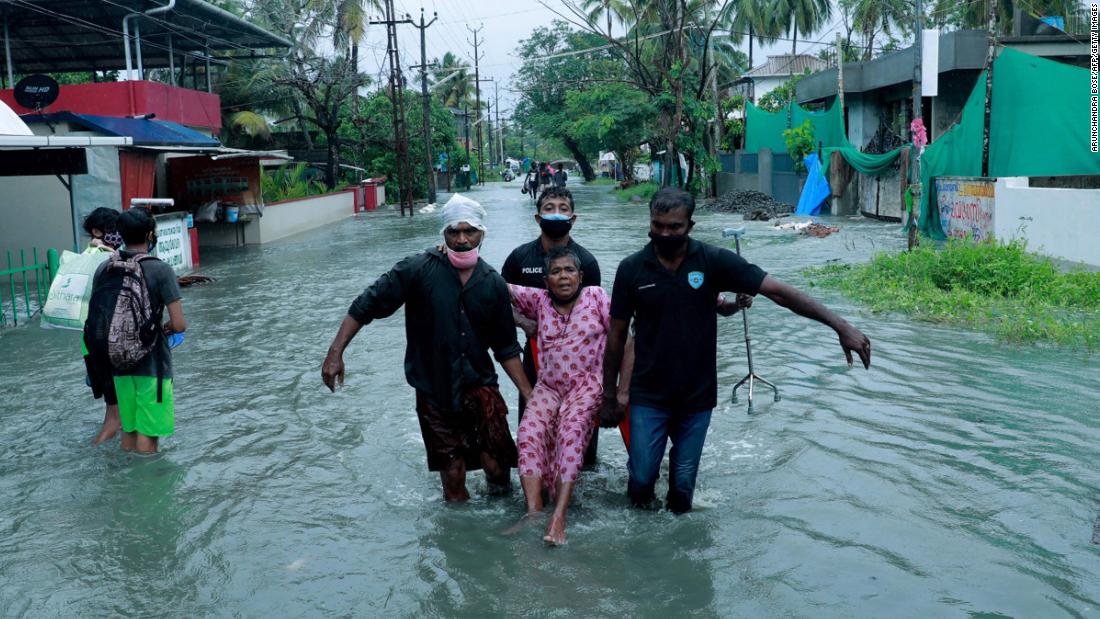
754, 205
819, 230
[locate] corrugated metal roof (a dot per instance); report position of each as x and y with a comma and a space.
49, 36
784, 65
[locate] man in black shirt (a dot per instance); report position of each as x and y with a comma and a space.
668, 288
456, 308
525, 267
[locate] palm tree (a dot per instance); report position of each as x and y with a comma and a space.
351, 24
451, 80
871, 17
805, 15
608, 10
753, 18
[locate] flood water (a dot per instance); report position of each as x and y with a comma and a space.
957, 477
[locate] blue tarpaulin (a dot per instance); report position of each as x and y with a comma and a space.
145, 132
816, 189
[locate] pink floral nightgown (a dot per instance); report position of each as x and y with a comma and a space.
561, 413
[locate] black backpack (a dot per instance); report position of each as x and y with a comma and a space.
122, 327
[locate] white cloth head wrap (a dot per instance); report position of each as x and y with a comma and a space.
462, 209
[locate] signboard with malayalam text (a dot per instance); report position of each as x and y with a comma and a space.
174, 242
966, 206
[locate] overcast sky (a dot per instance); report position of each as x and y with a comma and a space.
504, 25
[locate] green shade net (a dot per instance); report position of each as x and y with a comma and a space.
864, 163
1038, 127
765, 129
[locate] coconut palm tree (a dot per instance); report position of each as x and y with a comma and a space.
752, 18
873, 17
806, 16
451, 80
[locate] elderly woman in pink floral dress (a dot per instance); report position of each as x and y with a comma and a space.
561, 413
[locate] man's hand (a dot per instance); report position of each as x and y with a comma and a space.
332, 371
851, 339
729, 308
611, 412
526, 394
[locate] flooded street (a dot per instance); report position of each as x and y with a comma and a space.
959, 476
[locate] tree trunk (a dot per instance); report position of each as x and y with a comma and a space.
581, 159
332, 169
794, 45
627, 158
689, 158
302, 123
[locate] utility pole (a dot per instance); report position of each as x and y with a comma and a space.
990, 56
397, 91
912, 239
500, 129
840, 71
918, 102
466, 119
426, 102
490, 142
477, 110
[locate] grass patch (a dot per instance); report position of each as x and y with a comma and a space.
602, 181
645, 190
994, 287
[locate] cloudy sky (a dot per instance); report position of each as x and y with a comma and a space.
503, 24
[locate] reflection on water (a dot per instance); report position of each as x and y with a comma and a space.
956, 477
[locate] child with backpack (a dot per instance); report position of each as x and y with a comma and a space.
126, 337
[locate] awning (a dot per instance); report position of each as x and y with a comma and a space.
49, 36
145, 132
219, 152
60, 141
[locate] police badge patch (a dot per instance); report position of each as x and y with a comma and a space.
695, 279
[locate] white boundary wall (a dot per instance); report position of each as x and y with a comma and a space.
1061, 223
283, 219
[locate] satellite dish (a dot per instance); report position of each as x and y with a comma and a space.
36, 91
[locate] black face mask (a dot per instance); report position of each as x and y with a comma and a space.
152, 243
555, 228
667, 246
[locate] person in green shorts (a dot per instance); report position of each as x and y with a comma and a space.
102, 226
144, 392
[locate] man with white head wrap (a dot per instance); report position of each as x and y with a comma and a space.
457, 308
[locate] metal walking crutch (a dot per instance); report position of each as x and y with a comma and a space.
751, 377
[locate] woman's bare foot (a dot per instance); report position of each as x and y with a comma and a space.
523, 523
555, 531
111, 427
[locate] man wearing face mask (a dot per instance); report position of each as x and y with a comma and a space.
668, 289
457, 308
525, 266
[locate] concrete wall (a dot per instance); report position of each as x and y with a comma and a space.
283, 219
1057, 222
280, 220
34, 212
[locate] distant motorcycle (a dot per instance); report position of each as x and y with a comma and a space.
507, 175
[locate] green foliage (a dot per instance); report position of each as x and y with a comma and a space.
288, 183
611, 117
778, 98
366, 137
644, 190
995, 287
545, 81
733, 130
800, 142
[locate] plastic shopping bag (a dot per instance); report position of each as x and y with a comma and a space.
67, 303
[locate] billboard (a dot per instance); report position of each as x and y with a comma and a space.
966, 206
